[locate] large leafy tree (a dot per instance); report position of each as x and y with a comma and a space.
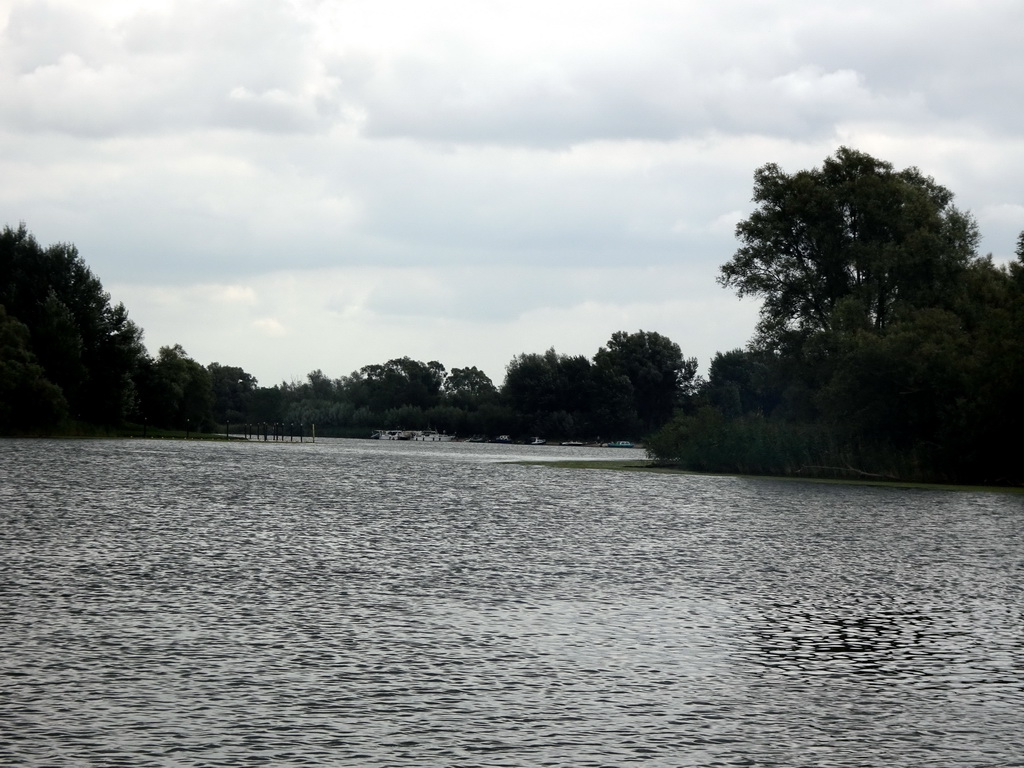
402, 382
177, 391
658, 375
232, 392
27, 398
854, 237
86, 346
992, 411
904, 387
531, 382
552, 393
744, 382
469, 387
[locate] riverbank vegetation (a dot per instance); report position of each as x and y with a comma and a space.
887, 348
73, 363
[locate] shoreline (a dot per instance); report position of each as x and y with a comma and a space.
642, 465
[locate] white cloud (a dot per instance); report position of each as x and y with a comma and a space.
296, 184
282, 326
270, 327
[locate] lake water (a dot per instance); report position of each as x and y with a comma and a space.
357, 603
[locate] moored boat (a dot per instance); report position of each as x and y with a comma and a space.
391, 434
431, 436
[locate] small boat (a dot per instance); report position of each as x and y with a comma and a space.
620, 444
538, 441
572, 442
389, 434
503, 439
430, 436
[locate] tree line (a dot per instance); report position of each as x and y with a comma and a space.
69, 359
886, 347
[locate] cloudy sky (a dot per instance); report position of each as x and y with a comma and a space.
288, 185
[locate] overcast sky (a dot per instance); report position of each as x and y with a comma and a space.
290, 185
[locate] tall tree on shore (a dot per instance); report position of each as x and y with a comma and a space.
855, 238
28, 399
176, 391
86, 346
659, 376
402, 382
232, 392
469, 387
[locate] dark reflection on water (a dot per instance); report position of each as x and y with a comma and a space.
356, 603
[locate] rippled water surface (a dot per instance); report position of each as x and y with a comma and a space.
171, 603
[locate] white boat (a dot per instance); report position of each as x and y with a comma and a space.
430, 436
391, 434
538, 441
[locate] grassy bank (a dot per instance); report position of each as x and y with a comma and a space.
634, 465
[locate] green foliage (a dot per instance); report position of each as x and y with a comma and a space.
659, 377
903, 387
886, 346
85, 346
744, 382
708, 441
402, 381
550, 392
469, 387
232, 392
27, 398
177, 392
267, 406
854, 229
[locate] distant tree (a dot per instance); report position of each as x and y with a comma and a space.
232, 392
990, 410
400, 382
321, 387
267, 405
469, 387
57, 342
177, 391
552, 394
613, 411
531, 382
114, 367
656, 370
743, 382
